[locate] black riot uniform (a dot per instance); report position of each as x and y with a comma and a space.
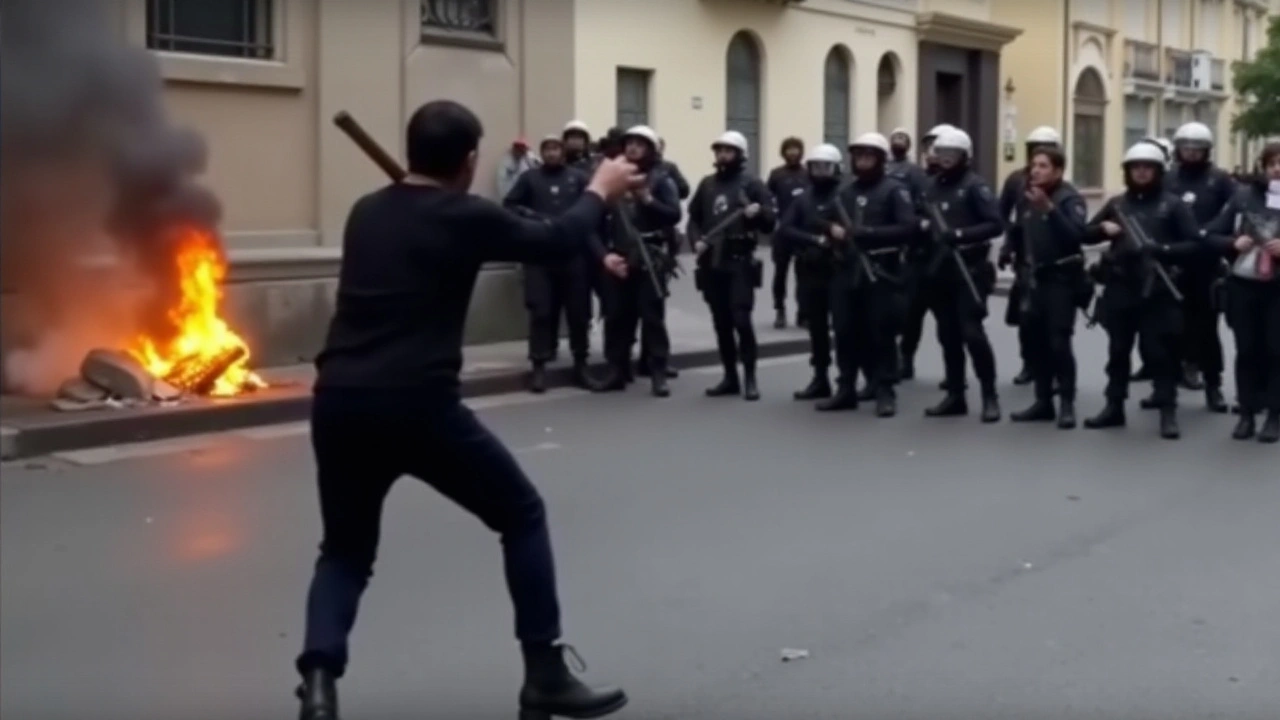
786, 183
960, 273
672, 170
918, 256
805, 229
636, 301
728, 211
1253, 300
549, 290
867, 287
1047, 249
1205, 190
1139, 299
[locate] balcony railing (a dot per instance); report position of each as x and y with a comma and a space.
1218, 74
1141, 61
1177, 68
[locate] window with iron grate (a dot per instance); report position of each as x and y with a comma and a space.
227, 28
461, 21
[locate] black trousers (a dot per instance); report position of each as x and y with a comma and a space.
918, 304
365, 440
1155, 324
730, 293
867, 321
782, 257
1253, 313
813, 286
1201, 343
1013, 318
633, 306
1045, 331
960, 324
550, 291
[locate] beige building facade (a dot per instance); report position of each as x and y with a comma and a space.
1108, 73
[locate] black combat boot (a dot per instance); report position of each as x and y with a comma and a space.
1024, 376
538, 378
614, 380
1213, 398
1191, 377
780, 319
319, 695
886, 403
1040, 411
1066, 414
750, 390
990, 407
1169, 429
845, 398
1112, 416
1270, 428
817, 389
580, 377
658, 380
1246, 428
551, 690
953, 405
728, 385
907, 370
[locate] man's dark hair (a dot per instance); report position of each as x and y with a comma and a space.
1269, 154
791, 142
1056, 157
439, 137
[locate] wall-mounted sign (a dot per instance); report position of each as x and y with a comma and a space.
697, 102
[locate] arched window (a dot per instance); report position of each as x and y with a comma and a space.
1088, 141
742, 93
889, 100
836, 98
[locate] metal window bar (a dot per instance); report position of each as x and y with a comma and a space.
466, 16
248, 31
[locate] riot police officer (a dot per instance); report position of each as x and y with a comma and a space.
546, 192
1015, 186
1150, 232
577, 145
786, 183
672, 170
636, 276
805, 229
876, 221
1046, 240
901, 167
1205, 189
962, 219
728, 211
918, 291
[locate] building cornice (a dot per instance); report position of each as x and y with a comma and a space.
948, 29
1094, 28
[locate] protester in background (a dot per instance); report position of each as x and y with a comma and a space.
518, 159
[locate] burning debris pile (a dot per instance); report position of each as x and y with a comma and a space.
110, 243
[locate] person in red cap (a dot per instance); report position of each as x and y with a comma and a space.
513, 164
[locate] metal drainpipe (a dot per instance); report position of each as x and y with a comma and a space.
1066, 65
1160, 59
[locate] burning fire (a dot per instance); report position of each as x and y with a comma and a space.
205, 356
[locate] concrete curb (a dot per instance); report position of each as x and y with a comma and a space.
95, 428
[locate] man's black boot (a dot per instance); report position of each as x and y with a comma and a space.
1213, 398
886, 403
1270, 429
728, 385
750, 390
551, 690
1112, 416
1024, 376
658, 381
817, 389
1066, 414
1191, 377
953, 405
1246, 428
1169, 429
319, 695
845, 398
1040, 411
780, 318
538, 378
990, 407
580, 377
614, 380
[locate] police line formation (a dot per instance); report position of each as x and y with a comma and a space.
877, 251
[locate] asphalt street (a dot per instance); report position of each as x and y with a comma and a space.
933, 569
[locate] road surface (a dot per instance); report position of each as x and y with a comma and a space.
933, 569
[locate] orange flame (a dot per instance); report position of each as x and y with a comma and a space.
201, 335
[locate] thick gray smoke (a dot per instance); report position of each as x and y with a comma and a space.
92, 175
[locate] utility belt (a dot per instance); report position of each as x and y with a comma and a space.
884, 263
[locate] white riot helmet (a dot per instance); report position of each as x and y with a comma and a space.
954, 139
1044, 135
576, 126
1194, 135
825, 153
732, 139
870, 141
642, 131
1145, 152
936, 131
900, 131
